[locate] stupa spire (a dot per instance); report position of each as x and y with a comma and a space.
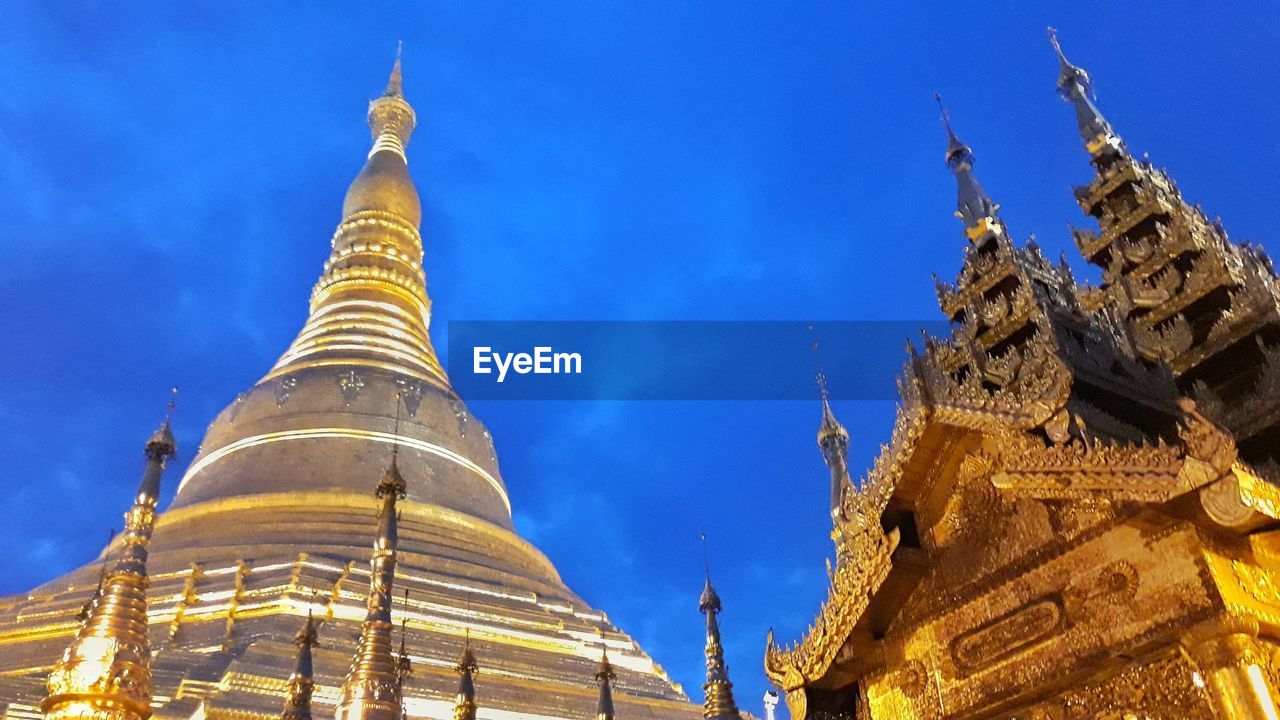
464, 704
370, 307
604, 678
371, 690
1076, 87
395, 81
718, 703
105, 673
297, 705
833, 440
973, 206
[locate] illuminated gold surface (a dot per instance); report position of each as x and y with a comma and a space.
105, 673
1054, 530
274, 518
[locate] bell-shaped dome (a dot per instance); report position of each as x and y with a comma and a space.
384, 185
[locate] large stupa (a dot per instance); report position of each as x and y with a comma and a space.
275, 517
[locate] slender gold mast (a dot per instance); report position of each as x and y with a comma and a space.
105, 674
464, 705
718, 701
371, 690
301, 683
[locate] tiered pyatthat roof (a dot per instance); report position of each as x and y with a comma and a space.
1049, 427
1192, 299
105, 673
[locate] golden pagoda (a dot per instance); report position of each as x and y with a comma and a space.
1077, 513
273, 520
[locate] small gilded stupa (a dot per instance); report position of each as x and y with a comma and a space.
272, 525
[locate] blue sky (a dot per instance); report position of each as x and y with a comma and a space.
170, 177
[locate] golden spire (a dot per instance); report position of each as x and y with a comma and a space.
973, 206
1076, 87
464, 705
605, 677
298, 705
105, 673
371, 690
370, 307
718, 701
833, 440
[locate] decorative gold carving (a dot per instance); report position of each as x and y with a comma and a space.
1087, 596
1007, 635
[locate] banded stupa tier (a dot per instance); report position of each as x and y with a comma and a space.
276, 517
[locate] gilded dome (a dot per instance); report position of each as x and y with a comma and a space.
384, 185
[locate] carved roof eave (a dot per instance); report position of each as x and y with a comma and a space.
866, 565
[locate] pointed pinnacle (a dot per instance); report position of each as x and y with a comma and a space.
394, 84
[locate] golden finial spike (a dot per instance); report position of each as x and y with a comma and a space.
952, 140
706, 558
395, 83
111, 646
1053, 40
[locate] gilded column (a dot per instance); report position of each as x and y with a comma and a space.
1231, 665
298, 705
718, 703
371, 690
105, 674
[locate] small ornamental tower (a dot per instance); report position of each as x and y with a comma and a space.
105, 674
464, 704
298, 704
605, 677
718, 701
371, 690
